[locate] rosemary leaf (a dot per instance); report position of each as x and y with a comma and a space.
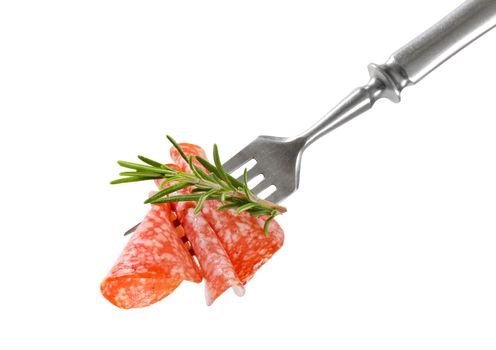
129, 179
199, 190
201, 174
140, 174
210, 167
235, 200
267, 224
149, 161
207, 165
259, 212
200, 203
245, 207
176, 146
246, 189
169, 180
196, 170
202, 200
145, 168
178, 198
220, 168
227, 206
168, 190
221, 183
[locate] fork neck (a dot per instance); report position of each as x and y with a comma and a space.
386, 81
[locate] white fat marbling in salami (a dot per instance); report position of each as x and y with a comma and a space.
242, 236
215, 264
229, 248
216, 267
153, 263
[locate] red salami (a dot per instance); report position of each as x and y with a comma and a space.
153, 263
229, 248
242, 236
215, 264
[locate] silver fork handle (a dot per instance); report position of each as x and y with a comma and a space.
430, 49
411, 63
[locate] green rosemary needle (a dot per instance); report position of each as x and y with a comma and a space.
211, 182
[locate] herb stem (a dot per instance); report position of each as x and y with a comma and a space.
215, 184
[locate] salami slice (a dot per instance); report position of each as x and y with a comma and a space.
153, 263
242, 236
215, 264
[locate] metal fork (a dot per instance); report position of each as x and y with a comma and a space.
278, 158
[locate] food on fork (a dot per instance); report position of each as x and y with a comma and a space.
153, 263
201, 210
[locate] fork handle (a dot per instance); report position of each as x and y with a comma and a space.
444, 39
412, 62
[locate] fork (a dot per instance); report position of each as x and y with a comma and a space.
278, 159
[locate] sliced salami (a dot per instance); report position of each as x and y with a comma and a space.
153, 263
214, 261
242, 236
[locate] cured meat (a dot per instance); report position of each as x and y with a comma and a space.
153, 263
215, 264
229, 249
242, 236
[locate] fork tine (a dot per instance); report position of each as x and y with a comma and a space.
132, 229
236, 161
251, 173
260, 186
276, 196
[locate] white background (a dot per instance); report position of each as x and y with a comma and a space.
390, 241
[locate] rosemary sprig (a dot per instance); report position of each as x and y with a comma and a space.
213, 184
